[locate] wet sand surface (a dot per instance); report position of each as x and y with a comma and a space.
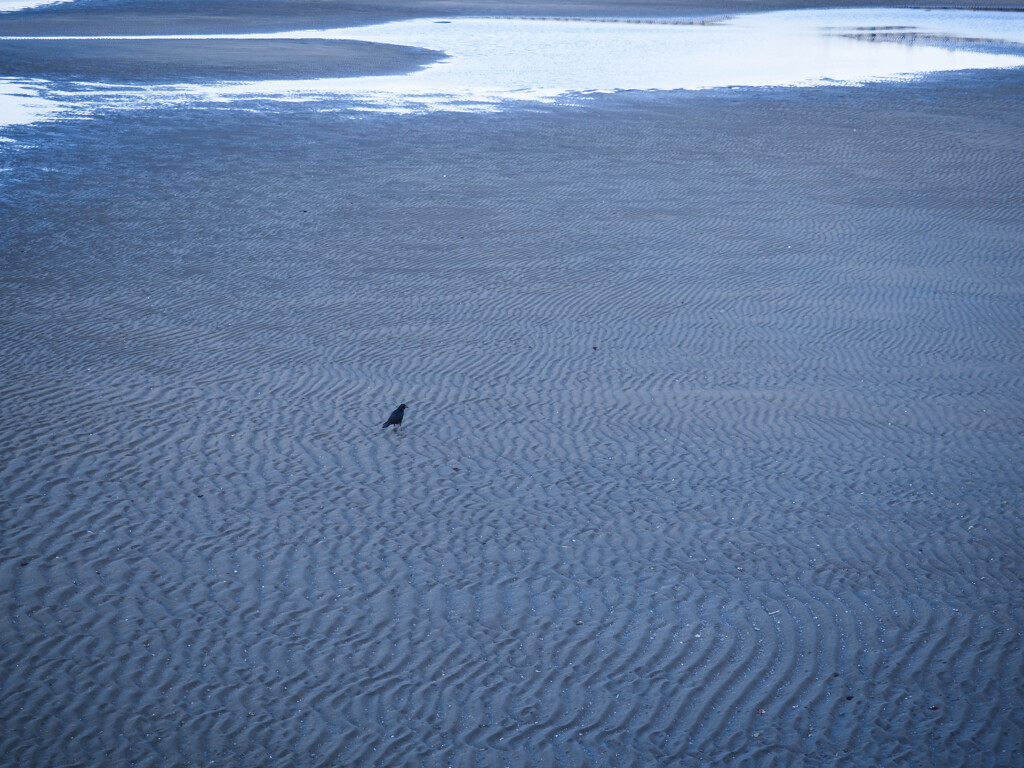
712, 454
177, 61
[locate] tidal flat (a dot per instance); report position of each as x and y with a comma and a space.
713, 442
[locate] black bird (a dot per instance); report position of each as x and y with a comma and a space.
395, 417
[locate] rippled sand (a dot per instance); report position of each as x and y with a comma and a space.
712, 454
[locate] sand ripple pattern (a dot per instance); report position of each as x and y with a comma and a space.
712, 456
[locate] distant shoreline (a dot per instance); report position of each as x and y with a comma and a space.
231, 16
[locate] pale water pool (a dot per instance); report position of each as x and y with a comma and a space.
491, 63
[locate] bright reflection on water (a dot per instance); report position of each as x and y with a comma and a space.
492, 60
19, 5
495, 61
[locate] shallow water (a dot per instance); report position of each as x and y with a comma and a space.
7, 6
492, 62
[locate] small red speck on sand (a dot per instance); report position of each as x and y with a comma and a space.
595, 347
455, 469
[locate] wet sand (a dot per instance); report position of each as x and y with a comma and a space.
712, 454
189, 61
